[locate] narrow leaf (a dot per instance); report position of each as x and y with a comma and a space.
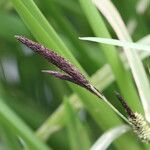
9, 118
116, 42
108, 137
78, 137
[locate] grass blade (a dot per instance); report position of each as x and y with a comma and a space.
108, 137
75, 129
9, 118
116, 42
111, 54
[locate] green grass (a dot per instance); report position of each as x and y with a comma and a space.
32, 107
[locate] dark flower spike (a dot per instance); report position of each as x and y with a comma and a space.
125, 105
137, 121
61, 76
53, 58
72, 73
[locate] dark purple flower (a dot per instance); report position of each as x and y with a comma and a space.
125, 105
72, 73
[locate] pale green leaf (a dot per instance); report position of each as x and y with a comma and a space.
116, 42
108, 137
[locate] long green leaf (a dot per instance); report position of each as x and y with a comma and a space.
108, 137
115, 42
71, 34
40, 27
9, 118
77, 134
123, 78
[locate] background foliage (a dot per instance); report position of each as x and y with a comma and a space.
38, 111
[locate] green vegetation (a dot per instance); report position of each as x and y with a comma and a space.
38, 111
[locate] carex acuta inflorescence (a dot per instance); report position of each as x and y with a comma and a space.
72, 74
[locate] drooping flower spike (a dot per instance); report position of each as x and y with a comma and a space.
72, 74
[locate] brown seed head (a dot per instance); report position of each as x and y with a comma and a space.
55, 59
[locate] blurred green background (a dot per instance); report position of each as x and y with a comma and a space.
34, 96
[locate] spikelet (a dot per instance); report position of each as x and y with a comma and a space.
71, 73
55, 59
140, 127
